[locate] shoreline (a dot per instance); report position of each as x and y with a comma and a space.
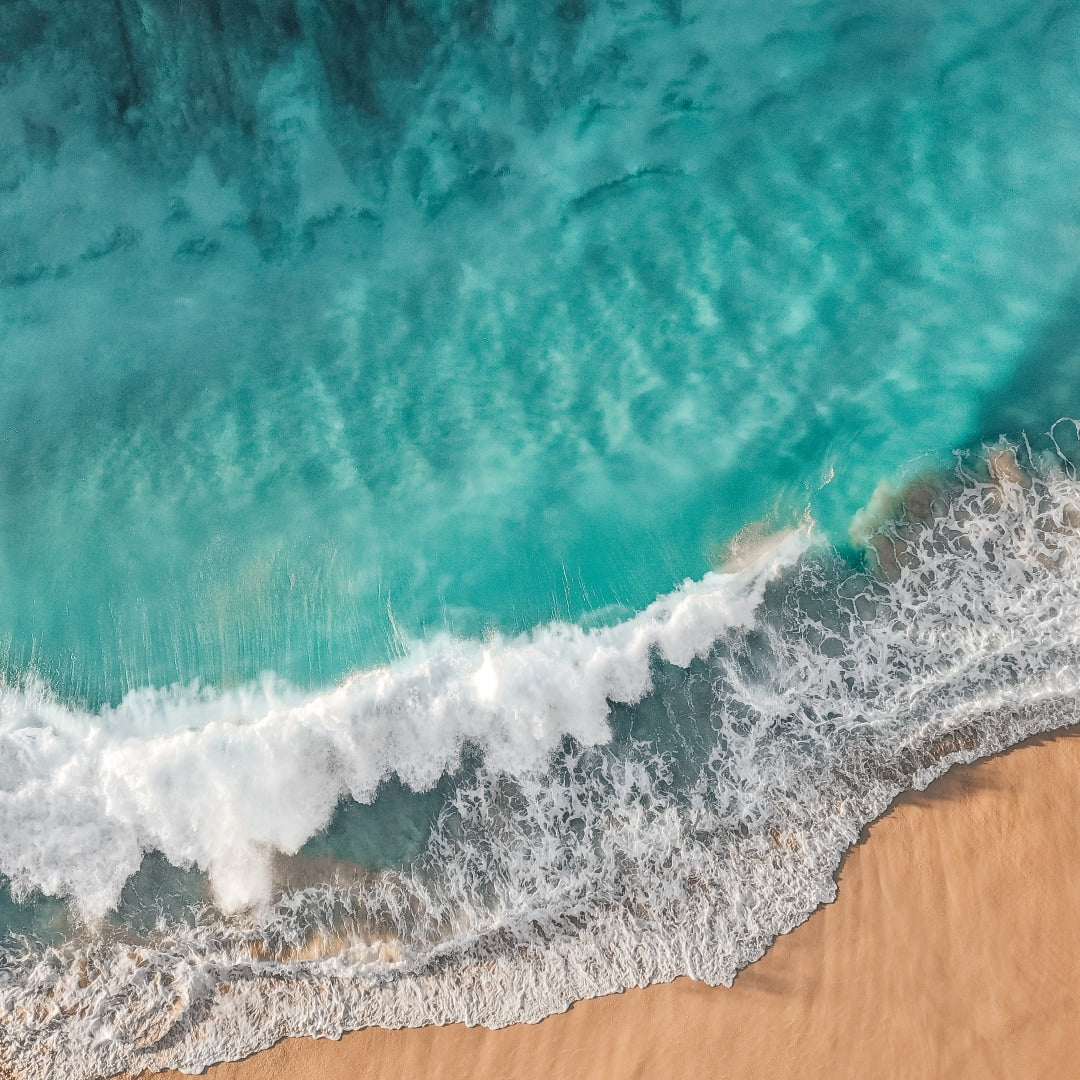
952, 949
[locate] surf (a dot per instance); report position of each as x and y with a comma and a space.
783, 706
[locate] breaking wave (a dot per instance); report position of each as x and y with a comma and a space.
217, 779
627, 805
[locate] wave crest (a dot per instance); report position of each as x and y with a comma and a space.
221, 780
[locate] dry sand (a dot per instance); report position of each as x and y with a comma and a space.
953, 951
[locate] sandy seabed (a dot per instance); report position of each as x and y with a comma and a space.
953, 950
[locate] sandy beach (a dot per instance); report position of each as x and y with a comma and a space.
953, 950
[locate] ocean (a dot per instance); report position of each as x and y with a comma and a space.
494, 497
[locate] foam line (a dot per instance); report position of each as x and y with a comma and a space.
220, 781
575, 872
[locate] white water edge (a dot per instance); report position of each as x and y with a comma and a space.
807, 698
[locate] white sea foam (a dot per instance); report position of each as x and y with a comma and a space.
220, 780
621, 858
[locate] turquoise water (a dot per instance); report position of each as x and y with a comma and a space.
367, 372
521, 317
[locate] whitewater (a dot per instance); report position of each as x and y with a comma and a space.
776, 710
197, 776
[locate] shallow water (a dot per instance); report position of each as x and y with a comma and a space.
368, 373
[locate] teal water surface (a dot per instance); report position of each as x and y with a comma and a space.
323, 329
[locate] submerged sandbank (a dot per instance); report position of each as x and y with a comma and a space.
953, 950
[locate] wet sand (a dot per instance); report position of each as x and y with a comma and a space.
953, 950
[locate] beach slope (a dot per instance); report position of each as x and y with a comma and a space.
953, 950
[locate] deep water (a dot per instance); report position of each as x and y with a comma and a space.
324, 327
382, 388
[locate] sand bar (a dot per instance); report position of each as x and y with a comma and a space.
953, 951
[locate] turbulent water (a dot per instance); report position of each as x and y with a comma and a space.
495, 496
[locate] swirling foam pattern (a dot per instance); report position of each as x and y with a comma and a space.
711, 820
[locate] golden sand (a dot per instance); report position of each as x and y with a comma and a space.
953, 951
